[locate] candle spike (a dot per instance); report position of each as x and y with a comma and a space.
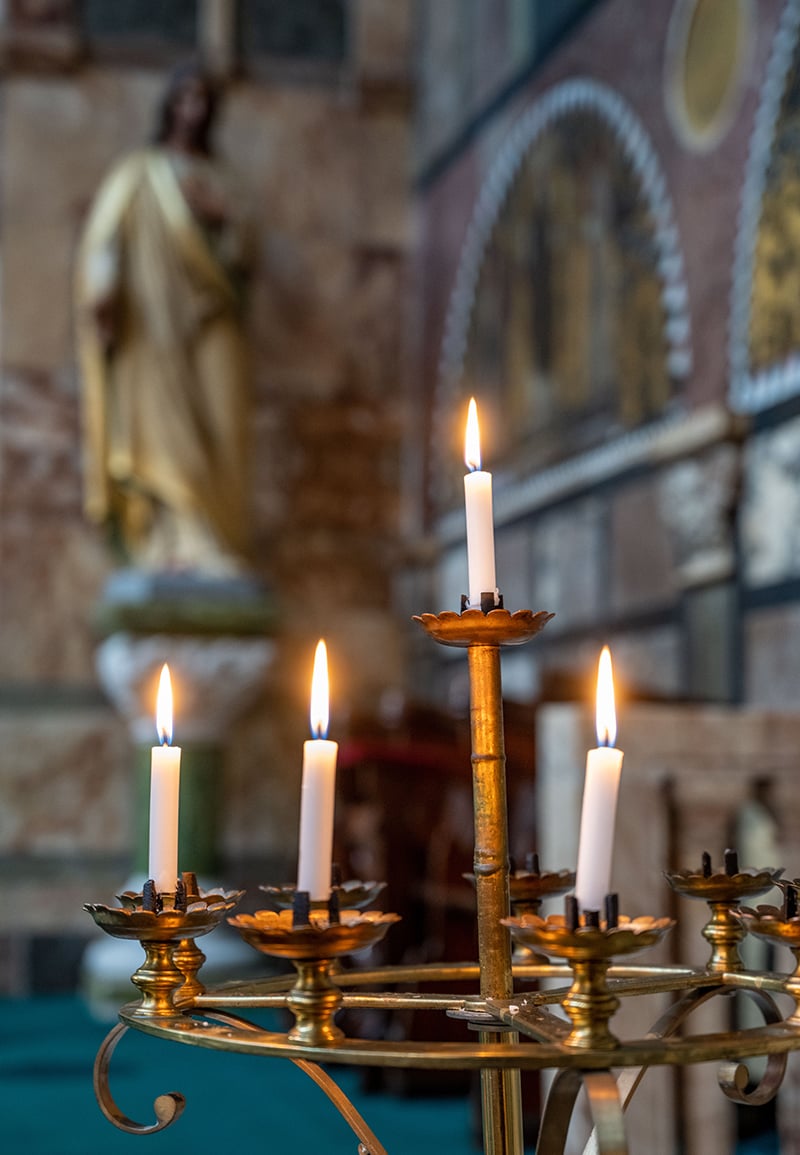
731, 862
706, 864
189, 879
592, 918
612, 911
571, 915
149, 896
180, 895
334, 916
301, 909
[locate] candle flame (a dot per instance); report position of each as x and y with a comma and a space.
606, 716
472, 440
164, 708
320, 692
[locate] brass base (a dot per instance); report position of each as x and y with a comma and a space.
314, 999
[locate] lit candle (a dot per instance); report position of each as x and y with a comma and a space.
317, 792
480, 524
165, 780
601, 786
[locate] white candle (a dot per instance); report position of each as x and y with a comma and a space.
601, 786
165, 780
317, 792
480, 522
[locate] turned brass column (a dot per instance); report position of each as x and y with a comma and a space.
500, 1090
482, 635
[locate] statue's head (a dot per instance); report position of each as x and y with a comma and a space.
188, 107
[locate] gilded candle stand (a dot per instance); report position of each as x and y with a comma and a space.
511, 1024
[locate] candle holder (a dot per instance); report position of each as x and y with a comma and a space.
589, 951
168, 976
314, 999
527, 891
513, 1030
353, 895
770, 924
723, 892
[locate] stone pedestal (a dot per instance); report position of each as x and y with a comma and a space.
213, 635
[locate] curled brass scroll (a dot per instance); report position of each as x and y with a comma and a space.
167, 1107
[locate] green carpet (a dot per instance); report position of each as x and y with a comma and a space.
233, 1102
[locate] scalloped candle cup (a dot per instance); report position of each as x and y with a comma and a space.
474, 627
722, 887
353, 895
130, 921
554, 937
273, 933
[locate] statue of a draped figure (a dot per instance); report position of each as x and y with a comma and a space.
161, 272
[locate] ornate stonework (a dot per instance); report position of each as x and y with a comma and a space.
764, 345
547, 271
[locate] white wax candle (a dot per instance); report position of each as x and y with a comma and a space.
598, 815
316, 817
318, 790
599, 809
480, 520
165, 778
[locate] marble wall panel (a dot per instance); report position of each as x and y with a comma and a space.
567, 549
66, 776
772, 657
647, 663
514, 564
384, 37
642, 572
770, 511
52, 571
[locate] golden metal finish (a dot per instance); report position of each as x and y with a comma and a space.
167, 1107
589, 1002
517, 1025
166, 937
353, 895
314, 999
723, 893
475, 628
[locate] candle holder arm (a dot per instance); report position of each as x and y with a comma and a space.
605, 1109
167, 1107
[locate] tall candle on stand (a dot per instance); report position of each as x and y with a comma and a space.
165, 781
317, 792
601, 786
480, 522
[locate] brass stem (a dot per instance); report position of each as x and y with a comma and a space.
188, 959
491, 822
158, 978
501, 1091
792, 987
590, 1005
724, 932
314, 1000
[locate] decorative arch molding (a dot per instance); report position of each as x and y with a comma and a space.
574, 95
751, 392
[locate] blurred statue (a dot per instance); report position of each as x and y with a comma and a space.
161, 272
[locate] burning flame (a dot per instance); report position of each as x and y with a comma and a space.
472, 440
606, 716
164, 708
319, 692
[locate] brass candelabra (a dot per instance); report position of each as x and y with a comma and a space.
516, 1025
